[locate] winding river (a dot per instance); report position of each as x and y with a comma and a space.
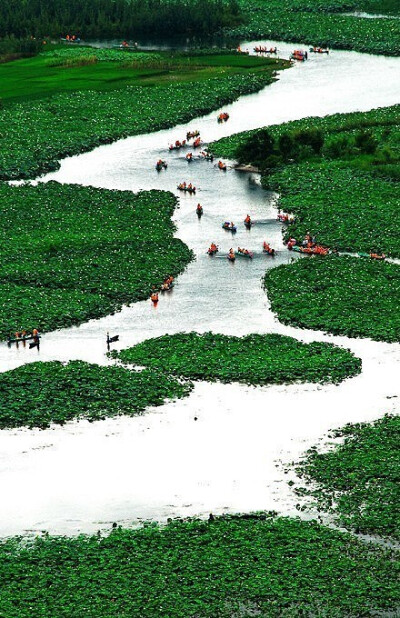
84, 476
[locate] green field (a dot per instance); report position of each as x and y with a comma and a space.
255, 359
85, 68
358, 480
65, 265
227, 567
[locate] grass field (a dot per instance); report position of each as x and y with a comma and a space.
81, 69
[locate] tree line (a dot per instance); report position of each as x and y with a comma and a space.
115, 18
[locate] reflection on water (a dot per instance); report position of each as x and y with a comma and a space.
82, 476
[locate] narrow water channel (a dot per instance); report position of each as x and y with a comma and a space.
84, 476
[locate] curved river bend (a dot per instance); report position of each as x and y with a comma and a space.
84, 476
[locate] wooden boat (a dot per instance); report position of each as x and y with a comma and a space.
192, 134
311, 250
285, 218
177, 146
264, 50
245, 253
247, 224
186, 189
230, 228
318, 50
373, 256
298, 55
69, 40
221, 166
22, 339
199, 211
160, 166
223, 117
268, 250
212, 251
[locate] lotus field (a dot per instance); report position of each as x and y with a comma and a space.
270, 566
359, 479
321, 23
342, 295
255, 359
74, 253
39, 394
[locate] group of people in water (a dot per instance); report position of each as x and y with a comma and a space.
23, 336
187, 187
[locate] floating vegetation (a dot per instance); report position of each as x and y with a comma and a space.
223, 567
341, 295
74, 253
39, 394
359, 479
254, 359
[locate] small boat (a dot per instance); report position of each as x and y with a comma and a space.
221, 166
245, 253
199, 210
317, 250
267, 249
11, 340
212, 250
177, 146
259, 49
186, 189
161, 165
206, 156
318, 50
229, 227
70, 39
248, 223
192, 134
231, 256
154, 298
285, 218
197, 142
373, 256
299, 55
223, 117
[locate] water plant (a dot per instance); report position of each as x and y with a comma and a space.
38, 394
341, 295
321, 23
228, 566
254, 359
358, 479
73, 253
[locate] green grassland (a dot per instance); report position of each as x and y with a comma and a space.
73, 253
57, 393
359, 479
87, 68
255, 359
225, 567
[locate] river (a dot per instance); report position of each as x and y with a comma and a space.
84, 476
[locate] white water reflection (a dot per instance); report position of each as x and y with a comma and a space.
165, 463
